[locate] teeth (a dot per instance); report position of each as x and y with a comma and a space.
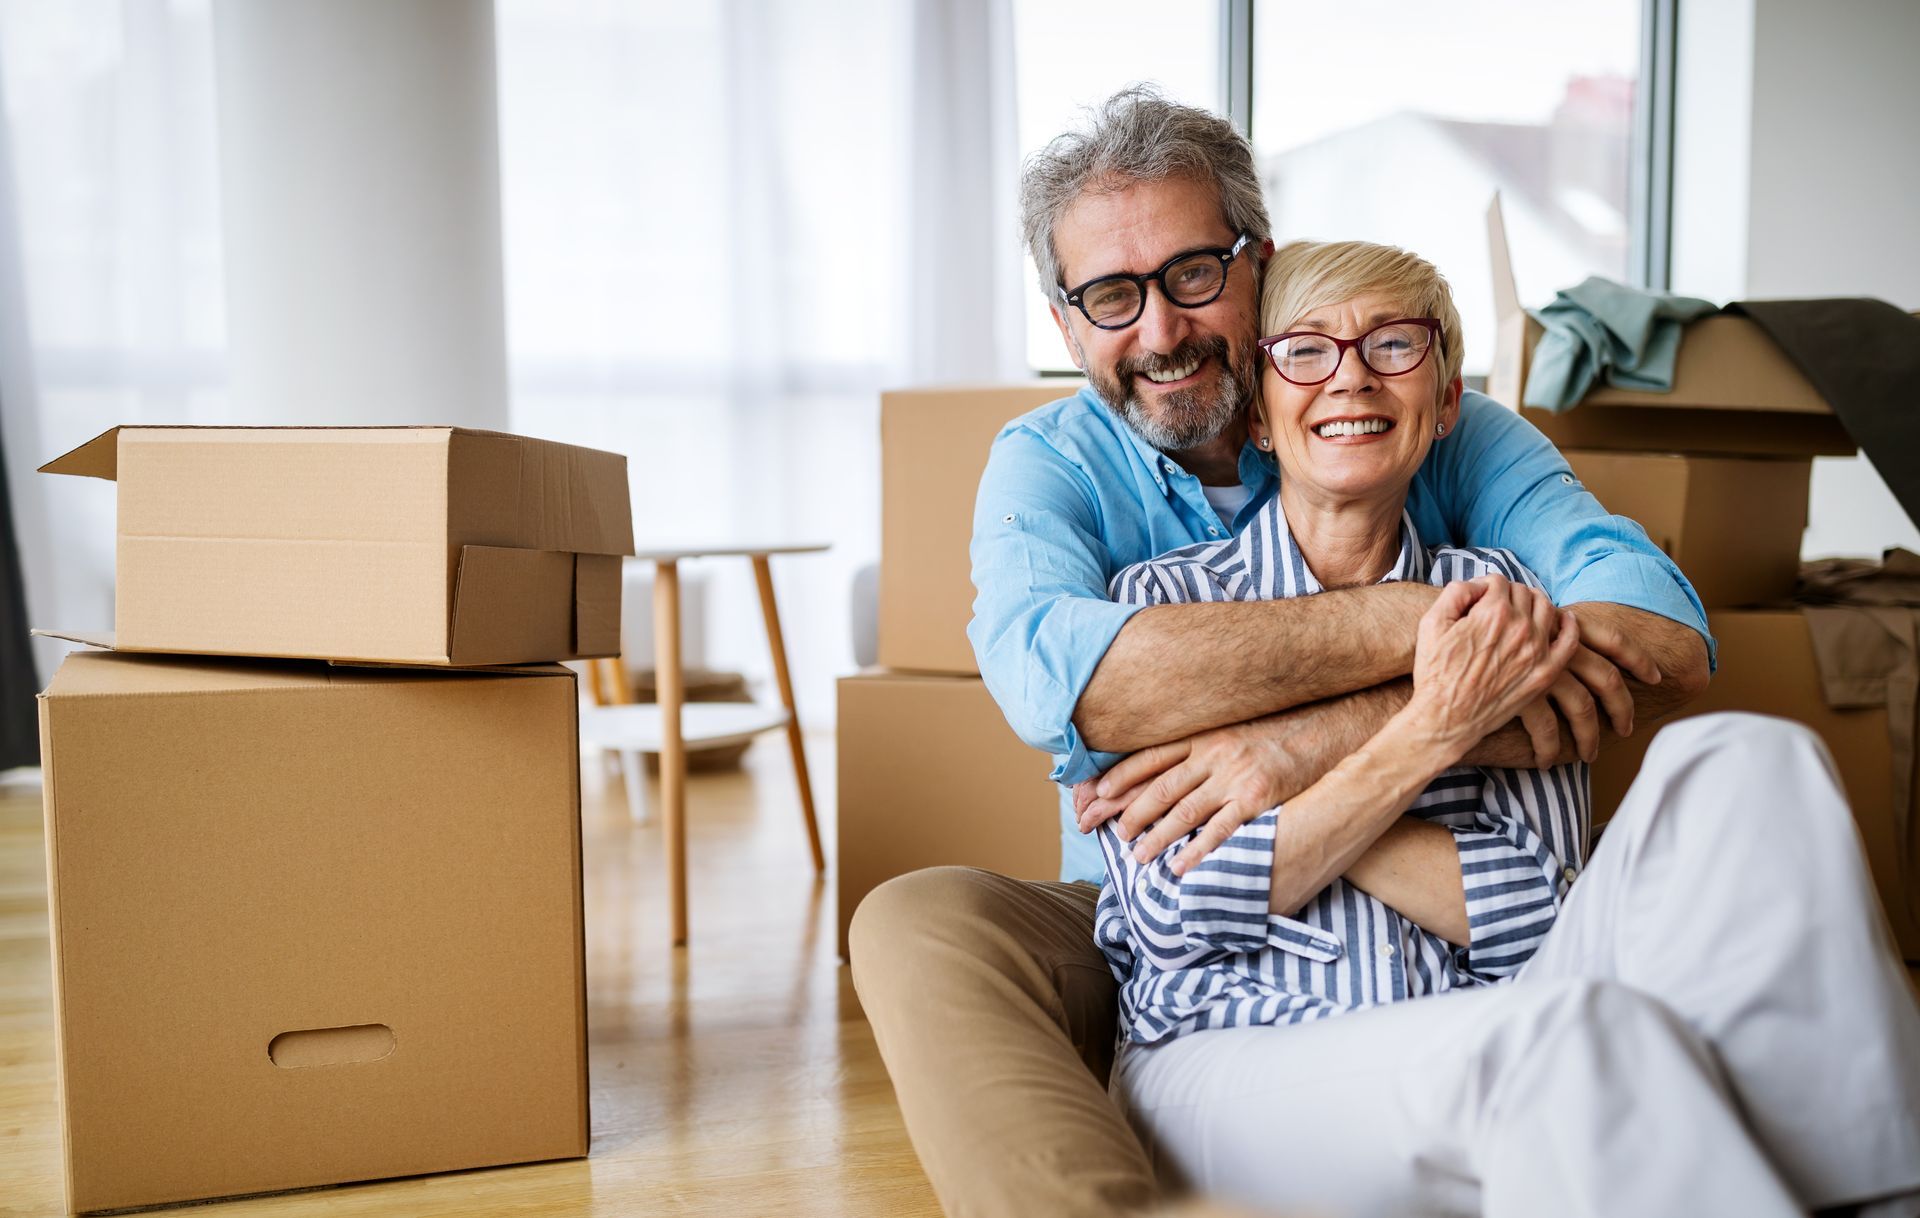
1174, 374
1356, 427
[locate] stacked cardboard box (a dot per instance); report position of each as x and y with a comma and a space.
930, 773
1717, 471
317, 922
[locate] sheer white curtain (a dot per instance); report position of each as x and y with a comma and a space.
727, 228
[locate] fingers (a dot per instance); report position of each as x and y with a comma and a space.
1543, 729
1627, 653
1599, 675
1137, 768
1156, 800
1100, 811
1196, 809
1582, 714
1454, 601
1211, 835
1083, 794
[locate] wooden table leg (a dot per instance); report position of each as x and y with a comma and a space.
673, 752
763, 575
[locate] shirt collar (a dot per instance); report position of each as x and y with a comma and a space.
1410, 566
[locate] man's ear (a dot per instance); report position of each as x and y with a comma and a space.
1066, 333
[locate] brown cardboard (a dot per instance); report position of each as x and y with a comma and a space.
1733, 524
413, 545
1766, 666
1733, 390
933, 448
930, 774
310, 924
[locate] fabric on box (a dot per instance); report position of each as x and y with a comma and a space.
1863, 356
1600, 328
1864, 621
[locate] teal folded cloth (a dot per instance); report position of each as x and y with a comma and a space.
1629, 336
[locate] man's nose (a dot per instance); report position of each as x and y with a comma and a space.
1163, 325
1351, 374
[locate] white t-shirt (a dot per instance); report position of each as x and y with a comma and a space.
1227, 500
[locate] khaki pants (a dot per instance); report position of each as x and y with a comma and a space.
995, 1014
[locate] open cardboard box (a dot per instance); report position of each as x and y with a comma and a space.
1733, 390
407, 545
310, 924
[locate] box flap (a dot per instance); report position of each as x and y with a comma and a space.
97, 458
512, 606
596, 605
103, 639
521, 493
1506, 289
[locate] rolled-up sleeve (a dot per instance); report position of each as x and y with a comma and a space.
1041, 616
1518, 860
1498, 482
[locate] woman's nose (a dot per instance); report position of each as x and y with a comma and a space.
1351, 374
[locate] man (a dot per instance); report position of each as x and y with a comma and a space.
993, 1008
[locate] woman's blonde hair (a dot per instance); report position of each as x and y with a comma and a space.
1306, 275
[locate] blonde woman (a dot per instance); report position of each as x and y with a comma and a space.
1578, 1049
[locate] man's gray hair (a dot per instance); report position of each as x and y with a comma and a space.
1136, 135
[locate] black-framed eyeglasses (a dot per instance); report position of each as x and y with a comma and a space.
1190, 280
1392, 348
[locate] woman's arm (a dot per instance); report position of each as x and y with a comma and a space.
1486, 648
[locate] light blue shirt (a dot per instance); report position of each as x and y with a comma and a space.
1071, 495
1201, 951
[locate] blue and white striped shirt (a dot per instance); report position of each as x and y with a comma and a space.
1201, 951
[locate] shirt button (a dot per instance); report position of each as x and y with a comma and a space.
1386, 951
1213, 532
1567, 478
1571, 875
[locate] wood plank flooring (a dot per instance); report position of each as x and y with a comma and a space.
733, 1077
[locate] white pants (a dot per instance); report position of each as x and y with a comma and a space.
1716, 1025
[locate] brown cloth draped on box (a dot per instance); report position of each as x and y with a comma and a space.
1864, 620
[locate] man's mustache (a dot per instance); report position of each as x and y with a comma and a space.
1189, 352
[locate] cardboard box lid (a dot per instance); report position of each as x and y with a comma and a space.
1725, 362
502, 490
103, 640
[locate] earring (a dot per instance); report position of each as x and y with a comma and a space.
1439, 429
1265, 442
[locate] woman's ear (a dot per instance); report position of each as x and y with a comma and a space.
1448, 414
1257, 425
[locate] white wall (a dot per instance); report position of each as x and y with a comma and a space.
1797, 173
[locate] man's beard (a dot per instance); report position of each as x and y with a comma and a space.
1187, 418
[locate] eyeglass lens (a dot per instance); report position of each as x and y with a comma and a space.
1390, 350
1193, 280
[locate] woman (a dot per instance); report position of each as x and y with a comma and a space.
1596, 1083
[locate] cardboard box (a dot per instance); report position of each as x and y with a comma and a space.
933, 448
930, 774
1733, 390
1767, 666
1733, 524
412, 545
310, 924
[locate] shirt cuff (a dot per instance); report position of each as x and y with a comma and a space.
1641, 581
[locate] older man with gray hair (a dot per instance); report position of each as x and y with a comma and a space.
993, 1008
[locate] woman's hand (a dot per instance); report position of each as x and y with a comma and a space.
1488, 650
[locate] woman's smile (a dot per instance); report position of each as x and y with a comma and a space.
1350, 429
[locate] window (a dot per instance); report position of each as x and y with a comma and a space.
1069, 54
1397, 121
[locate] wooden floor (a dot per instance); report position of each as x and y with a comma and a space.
733, 1077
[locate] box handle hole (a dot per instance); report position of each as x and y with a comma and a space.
361, 1042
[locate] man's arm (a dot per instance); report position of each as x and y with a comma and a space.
1176, 670
1223, 777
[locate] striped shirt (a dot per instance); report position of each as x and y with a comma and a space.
1201, 951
